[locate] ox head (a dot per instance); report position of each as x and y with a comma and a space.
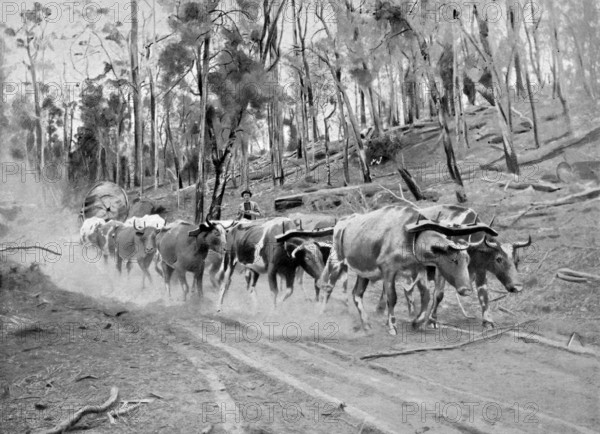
311, 255
501, 259
210, 235
449, 257
146, 235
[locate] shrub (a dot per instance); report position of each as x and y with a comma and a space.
382, 149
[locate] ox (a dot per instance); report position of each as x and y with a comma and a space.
105, 238
182, 247
500, 259
255, 245
379, 245
135, 244
313, 222
88, 229
152, 220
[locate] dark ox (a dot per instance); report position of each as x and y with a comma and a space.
312, 222
135, 244
378, 245
254, 245
183, 247
500, 259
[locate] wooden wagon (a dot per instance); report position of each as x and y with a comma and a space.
105, 200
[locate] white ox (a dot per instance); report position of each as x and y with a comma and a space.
151, 220
88, 228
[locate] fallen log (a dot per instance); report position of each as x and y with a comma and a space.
545, 153
296, 200
68, 423
569, 278
9, 248
567, 200
411, 183
539, 186
577, 274
480, 338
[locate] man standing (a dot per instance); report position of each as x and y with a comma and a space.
248, 210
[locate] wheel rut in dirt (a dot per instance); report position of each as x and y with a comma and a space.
381, 390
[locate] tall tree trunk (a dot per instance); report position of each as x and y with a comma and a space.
579, 53
271, 129
355, 128
203, 81
308, 80
363, 111
137, 97
400, 95
340, 92
221, 165
391, 112
66, 141
486, 90
278, 132
443, 121
153, 108
514, 41
534, 58
303, 139
300, 106
72, 115
374, 111
509, 152
153, 143
559, 67
457, 98
326, 125
344, 125
532, 105
412, 105
37, 107
244, 166
169, 138
536, 43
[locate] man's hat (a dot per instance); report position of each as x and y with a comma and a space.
246, 191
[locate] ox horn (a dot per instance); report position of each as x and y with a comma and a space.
492, 221
296, 250
135, 226
458, 246
490, 244
522, 244
475, 244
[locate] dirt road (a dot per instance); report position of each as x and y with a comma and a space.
252, 369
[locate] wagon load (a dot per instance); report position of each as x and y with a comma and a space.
106, 200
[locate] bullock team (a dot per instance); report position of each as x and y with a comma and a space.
443, 243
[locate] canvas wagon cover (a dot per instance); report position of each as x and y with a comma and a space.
106, 200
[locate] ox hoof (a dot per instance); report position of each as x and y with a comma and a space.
416, 324
432, 324
488, 324
367, 326
393, 331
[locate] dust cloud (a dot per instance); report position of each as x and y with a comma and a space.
45, 221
